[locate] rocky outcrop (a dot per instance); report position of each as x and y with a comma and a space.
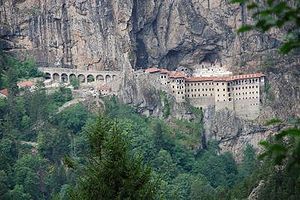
254, 195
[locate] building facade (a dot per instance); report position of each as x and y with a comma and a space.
240, 93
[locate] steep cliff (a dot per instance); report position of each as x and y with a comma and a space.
102, 34
133, 34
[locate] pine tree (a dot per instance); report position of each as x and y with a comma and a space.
112, 172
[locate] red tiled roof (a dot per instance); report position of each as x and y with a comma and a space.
199, 79
164, 71
152, 70
4, 92
25, 84
225, 78
176, 74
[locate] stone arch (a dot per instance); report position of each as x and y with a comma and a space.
64, 77
56, 77
47, 76
114, 77
107, 78
90, 78
81, 78
100, 78
72, 77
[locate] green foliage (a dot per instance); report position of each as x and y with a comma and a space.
75, 83
275, 14
73, 118
62, 95
166, 104
285, 149
273, 121
53, 143
112, 172
21, 69
18, 193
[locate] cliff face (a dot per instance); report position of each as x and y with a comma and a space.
102, 34
134, 34
68, 33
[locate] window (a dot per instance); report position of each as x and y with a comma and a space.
222, 83
217, 83
224, 90
173, 86
218, 90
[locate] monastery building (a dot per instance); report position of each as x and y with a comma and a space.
212, 86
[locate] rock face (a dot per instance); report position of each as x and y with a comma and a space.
102, 34
68, 33
133, 34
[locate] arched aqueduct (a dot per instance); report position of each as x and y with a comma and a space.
84, 76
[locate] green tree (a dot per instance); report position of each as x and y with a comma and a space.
73, 118
201, 190
75, 83
249, 163
31, 173
4, 185
18, 193
112, 172
54, 143
164, 165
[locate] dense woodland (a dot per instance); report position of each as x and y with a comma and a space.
119, 154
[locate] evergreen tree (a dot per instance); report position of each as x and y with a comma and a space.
112, 172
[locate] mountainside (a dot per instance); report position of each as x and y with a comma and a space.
102, 34
134, 34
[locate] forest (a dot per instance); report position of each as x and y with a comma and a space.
119, 154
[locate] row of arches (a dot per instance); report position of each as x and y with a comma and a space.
65, 78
